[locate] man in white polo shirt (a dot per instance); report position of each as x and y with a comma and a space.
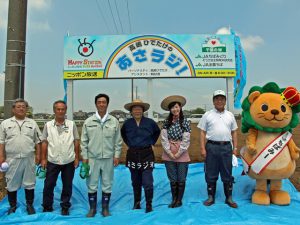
218, 141
60, 154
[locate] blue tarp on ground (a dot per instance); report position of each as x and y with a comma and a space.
192, 212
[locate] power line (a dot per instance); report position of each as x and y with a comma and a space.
103, 17
113, 16
119, 16
129, 17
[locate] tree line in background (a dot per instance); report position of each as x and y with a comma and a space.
81, 115
29, 112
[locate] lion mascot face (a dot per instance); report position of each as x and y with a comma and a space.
259, 105
269, 110
269, 114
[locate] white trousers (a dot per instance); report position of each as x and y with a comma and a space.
21, 173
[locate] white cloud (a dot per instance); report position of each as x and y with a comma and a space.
2, 79
40, 26
3, 6
3, 23
3, 13
39, 4
33, 6
223, 30
249, 43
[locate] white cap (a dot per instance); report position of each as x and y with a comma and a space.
219, 92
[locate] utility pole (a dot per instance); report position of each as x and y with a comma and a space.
15, 54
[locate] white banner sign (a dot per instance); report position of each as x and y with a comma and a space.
149, 56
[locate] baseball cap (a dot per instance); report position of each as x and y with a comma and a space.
219, 92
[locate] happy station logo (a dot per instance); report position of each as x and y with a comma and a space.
85, 49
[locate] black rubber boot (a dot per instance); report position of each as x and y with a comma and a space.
29, 195
228, 194
149, 197
12, 199
65, 211
105, 204
93, 204
137, 192
181, 188
174, 192
47, 209
211, 191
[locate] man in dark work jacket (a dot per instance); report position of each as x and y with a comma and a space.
140, 133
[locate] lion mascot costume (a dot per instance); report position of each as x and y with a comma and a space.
269, 114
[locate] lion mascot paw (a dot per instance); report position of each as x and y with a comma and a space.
269, 114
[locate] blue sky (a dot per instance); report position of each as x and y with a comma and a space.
269, 31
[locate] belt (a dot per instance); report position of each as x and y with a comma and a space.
219, 142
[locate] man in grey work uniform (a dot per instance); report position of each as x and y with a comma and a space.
20, 147
101, 148
218, 140
60, 154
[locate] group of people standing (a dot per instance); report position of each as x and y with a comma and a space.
57, 150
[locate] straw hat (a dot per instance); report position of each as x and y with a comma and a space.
137, 102
173, 98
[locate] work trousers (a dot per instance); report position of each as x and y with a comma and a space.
218, 160
101, 169
21, 173
67, 175
142, 178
